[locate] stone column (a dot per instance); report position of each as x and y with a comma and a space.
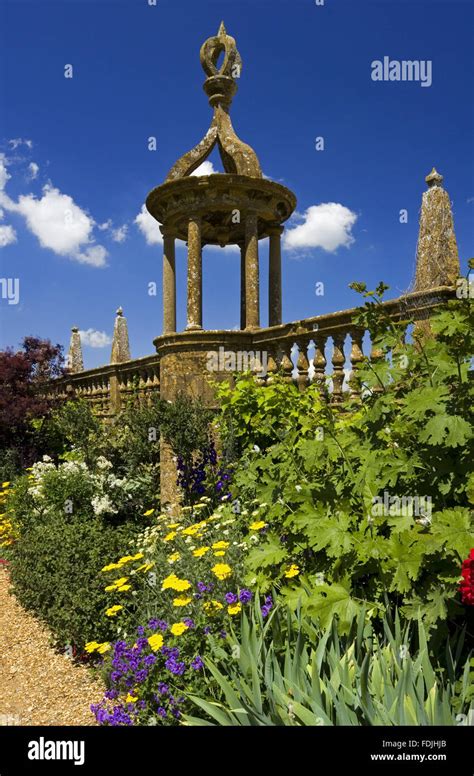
437, 258
243, 321
169, 282
274, 276
252, 292
194, 274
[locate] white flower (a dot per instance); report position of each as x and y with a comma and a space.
298, 488
256, 449
102, 505
103, 463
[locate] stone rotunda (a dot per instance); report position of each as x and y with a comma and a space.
238, 207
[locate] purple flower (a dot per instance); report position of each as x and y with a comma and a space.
175, 667
206, 629
161, 711
141, 630
245, 596
231, 598
150, 660
176, 713
115, 676
170, 651
223, 634
140, 676
189, 622
111, 694
142, 643
202, 587
197, 663
163, 688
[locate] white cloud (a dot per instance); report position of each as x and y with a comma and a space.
149, 227
18, 141
33, 170
4, 174
327, 226
59, 224
206, 168
94, 338
7, 236
120, 234
105, 225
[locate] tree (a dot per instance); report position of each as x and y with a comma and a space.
24, 378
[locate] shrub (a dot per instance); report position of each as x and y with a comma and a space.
55, 573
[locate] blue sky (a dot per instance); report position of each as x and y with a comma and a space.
136, 73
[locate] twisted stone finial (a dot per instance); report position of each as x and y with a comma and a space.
434, 178
220, 87
119, 311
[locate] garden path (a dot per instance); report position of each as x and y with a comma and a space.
38, 685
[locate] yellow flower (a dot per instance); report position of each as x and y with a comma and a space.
124, 560
257, 525
145, 567
169, 537
219, 553
234, 608
293, 571
173, 525
220, 545
131, 698
193, 529
212, 606
178, 628
5, 484
91, 646
112, 611
174, 557
155, 641
138, 556
222, 570
103, 647
200, 552
175, 583
148, 512
123, 588
182, 600
111, 567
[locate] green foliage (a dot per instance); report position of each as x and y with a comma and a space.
289, 671
328, 473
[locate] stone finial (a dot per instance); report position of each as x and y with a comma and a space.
437, 257
220, 86
74, 359
434, 178
120, 345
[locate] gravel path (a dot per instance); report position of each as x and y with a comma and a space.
38, 686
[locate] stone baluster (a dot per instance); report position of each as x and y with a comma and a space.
319, 362
338, 366
286, 365
356, 357
302, 364
376, 354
